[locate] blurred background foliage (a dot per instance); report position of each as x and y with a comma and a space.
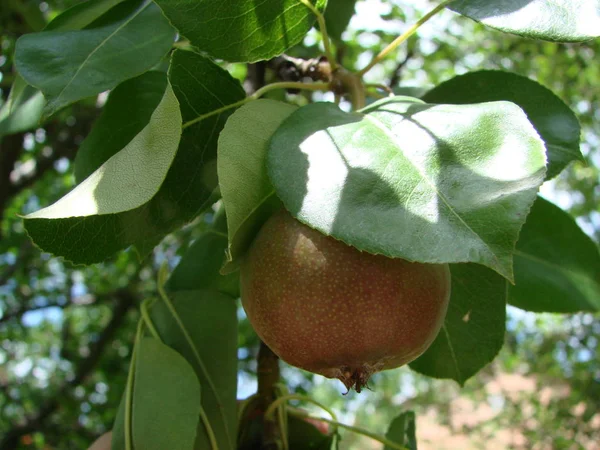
66, 332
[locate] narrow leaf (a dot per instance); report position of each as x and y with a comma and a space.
552, 20
427, 183
241, 30
211, 321
473, 332
403, 431
70, 65
166, 399
132, 176
248, 196
556, 124
557, 266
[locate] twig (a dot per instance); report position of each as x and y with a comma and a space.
268, 376
397, 75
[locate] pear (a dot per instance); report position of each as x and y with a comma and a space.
326, 307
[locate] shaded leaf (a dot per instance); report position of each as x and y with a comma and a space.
129, 178
127, 111
552, 118
200, 86
210, 319
248, 196
241, 30
22, 109
70, 65
166, 398
337, 17
552, 20
473, 331
403, 431
200, 265
303, 434
557, 266
426, 183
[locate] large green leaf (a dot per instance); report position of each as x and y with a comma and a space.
70, 65
241, 30
23, 108
557, 266
248, 195
337, 17
402, 431
127, 111
200, 265
200, 86
473, 332
427, 183
553, 20
554, 121
166, 398
210, 320
130, 177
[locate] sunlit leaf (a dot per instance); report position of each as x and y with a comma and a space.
427, 183
200, 86
241, 30
554, 121
132, 176
552, 20
128, 110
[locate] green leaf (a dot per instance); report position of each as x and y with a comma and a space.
473, 331
22, 109
241, 30
199, 267
557, 266
427, 183
82, 15
337, 17
70, 65
24, 106
211, 321
132, 176
552, 20
551, 117
402, 431
248, 196
128, 110
303, 434
166, 398
200, 86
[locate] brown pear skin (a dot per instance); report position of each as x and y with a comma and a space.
326, 307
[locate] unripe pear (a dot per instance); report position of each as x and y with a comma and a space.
328, 308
